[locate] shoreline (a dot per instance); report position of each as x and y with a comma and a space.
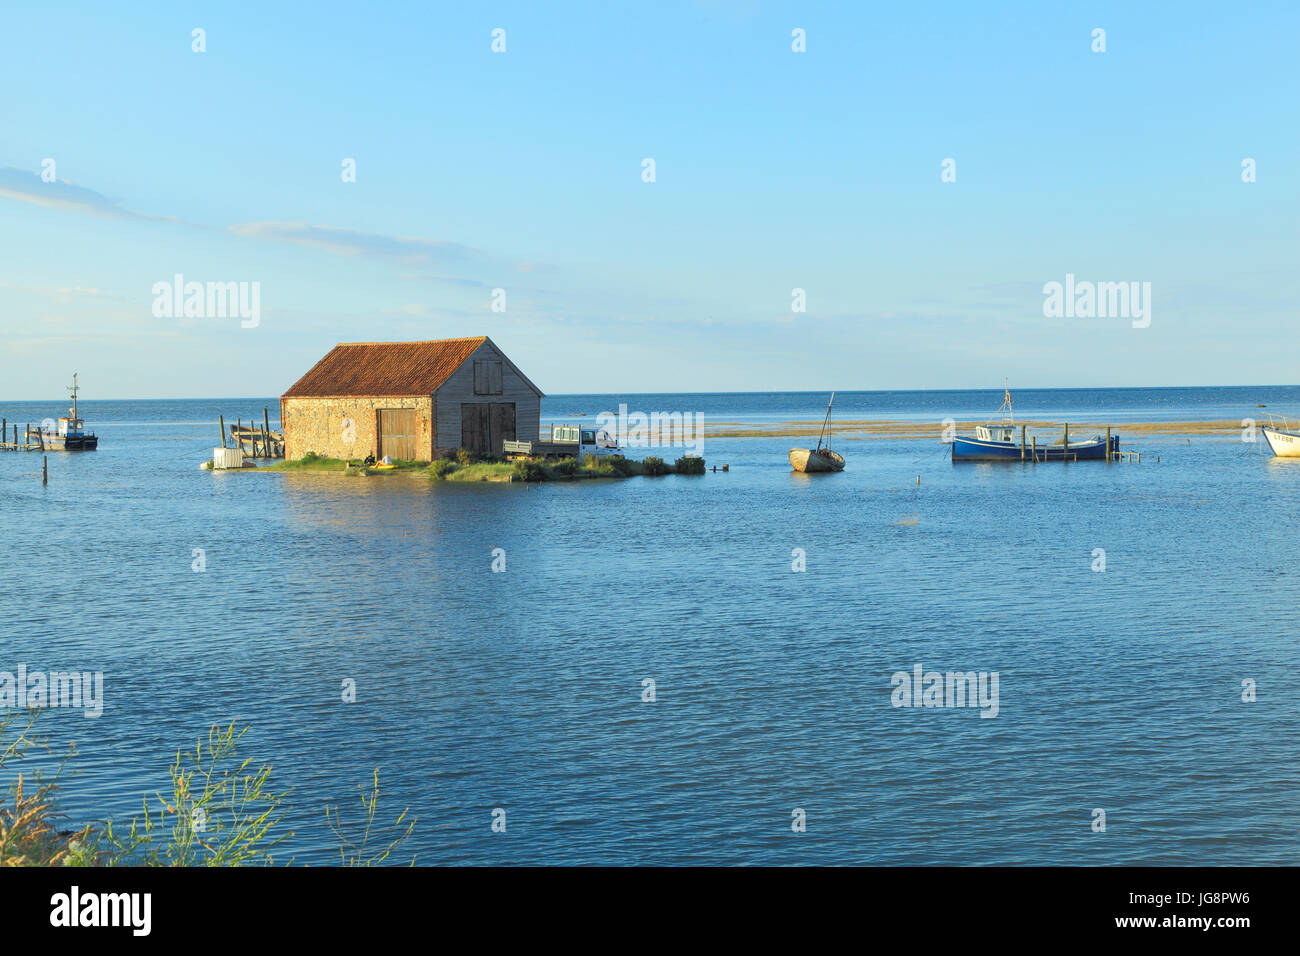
879, 429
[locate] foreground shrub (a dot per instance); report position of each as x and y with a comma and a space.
465, 457
654, 466
595, 465
529, 469
29, 833
219, 812
621, 465
441, 468
566, 467
355, 847
689, 465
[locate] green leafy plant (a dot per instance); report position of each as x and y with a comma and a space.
219, 813
689, 465
355, 848
622, 465
654, 466
529, 469
595, 465
440, 468
29, 834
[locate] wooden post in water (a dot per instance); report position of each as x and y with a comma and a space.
266, 433
1034, 448
222, 420
1022, 442
45, 469
1065, 444
1108, 444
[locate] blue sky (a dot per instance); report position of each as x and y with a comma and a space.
775, 170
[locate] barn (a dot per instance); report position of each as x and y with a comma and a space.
409, 400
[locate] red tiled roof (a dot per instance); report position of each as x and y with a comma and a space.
386, 368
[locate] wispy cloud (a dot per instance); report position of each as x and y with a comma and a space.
23, 186
64, 293
446, 280
350, 242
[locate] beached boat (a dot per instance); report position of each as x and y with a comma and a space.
1284, 443
69, 434
999, 442
821, 458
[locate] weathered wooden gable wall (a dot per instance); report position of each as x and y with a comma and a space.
460, 388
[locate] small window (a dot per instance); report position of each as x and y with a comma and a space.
487, 377
588, 436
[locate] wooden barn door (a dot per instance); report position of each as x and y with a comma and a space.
398, 433
475, 426
485, 425
503, 424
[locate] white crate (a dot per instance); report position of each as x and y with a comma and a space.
227, 458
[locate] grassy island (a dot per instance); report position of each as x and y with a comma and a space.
466, 466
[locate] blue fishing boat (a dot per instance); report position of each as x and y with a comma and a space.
999, 442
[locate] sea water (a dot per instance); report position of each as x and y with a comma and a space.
691, 669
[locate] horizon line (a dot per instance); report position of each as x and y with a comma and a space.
761, 391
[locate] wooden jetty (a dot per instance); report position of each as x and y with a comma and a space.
254, 440
33, 438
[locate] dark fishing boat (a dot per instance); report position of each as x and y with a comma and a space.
69, 434
821, 458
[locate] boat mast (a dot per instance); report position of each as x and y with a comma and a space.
73, 389
827, 422
1006, 403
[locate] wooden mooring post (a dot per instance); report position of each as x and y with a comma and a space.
221, 420
45, 469
1108, 455
1022, 442
1065, 444
1034, 448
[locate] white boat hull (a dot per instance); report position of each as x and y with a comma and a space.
1283, 444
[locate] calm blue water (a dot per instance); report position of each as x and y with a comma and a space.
522, 690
